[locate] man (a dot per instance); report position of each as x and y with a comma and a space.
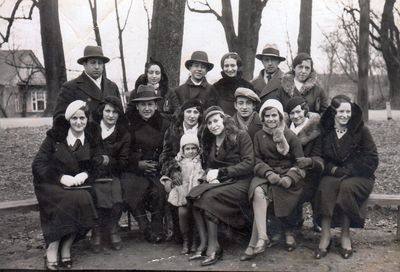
269, 80
196, 87
246, 101
91, 86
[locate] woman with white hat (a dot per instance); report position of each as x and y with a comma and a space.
61, 170
277, 179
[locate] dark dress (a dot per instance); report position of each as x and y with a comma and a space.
224, 90
269, 159
63, 211
355, 151
227, 200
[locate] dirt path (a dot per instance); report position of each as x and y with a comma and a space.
21, 247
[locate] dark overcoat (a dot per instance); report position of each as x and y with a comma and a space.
267, 91
355, 151
269, 159
224, 90
64, 211
227, 200
255, 125
83, 88
312, 92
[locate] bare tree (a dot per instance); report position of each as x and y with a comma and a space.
166, 36
93, 11
304, 38
121, 44
363, 58
246, 41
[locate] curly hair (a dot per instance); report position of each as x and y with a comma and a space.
142, 79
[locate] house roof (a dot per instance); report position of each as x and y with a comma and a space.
19, 67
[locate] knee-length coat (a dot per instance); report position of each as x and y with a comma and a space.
355, 151
269, 159
64, 211
227, 200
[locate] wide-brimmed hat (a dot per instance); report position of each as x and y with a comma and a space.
246, 92
146, 93
91, 52
199, 56
270, 50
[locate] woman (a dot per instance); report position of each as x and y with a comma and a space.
114, 149
308, 131
187, 120
142, 190
224, 89
277, 179
229, 161
302, 81
155, 75
351, 159
60, 169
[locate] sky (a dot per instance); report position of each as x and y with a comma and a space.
280, 23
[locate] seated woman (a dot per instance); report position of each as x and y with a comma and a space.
229, 162
60, 168
351, 159
114, 150
308, 131
277, 178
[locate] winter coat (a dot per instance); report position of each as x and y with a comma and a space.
315, 96
224, 90
269, 159
64, 211
254, 126
267, 91
83, 88
189, 90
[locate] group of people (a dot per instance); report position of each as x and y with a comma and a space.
188, 160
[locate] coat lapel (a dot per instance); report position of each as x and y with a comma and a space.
273, 84
88, 87
64, 154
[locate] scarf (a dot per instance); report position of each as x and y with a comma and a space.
244, 124
278, 137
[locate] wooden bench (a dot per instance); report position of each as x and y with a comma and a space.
374, 200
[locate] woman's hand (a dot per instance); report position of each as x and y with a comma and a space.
286, 182
341, 172
272, 177
67, 180
304, 162
80, 178
212, 175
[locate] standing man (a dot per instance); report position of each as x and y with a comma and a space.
91, 86
269, 80
196, 87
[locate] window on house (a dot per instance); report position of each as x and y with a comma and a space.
38, 100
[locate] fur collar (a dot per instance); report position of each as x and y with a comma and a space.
289, 86
355, 123
310, 131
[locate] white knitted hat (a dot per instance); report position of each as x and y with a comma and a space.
271, 103
189, 138
74, 107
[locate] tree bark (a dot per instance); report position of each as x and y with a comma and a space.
53, 51
304, 38
363, 58
93, 10
166, 36
390, 45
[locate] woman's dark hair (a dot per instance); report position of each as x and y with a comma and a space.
232, 55
179, 115
142, 79
270, 108
337, 100
300, 58
116, 104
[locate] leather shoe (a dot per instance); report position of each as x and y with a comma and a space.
213, 257
262, 247
320, 253
66, 263
199, 254
346, 253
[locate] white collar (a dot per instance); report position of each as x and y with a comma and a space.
106, 131
192, 130
196, 83
297, 129
71, 139
96, 81
298, 85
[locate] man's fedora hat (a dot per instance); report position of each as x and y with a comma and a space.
270, 50
199, 56
91, 52
146, 93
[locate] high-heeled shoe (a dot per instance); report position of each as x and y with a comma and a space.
261, 248
50, 265
346, 253
320, 252
198, 254
66, 263
246, 256
213, 257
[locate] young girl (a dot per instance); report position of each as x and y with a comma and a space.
183, 174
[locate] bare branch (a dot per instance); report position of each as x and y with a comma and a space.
208, 10
147, 15
127, 16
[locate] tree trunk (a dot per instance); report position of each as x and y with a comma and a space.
363, 58
391, 52
166, 36
53, 51
93, 10
304, 38
121, 48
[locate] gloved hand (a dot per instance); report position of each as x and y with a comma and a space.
272, 177
286, 182
304, 162
67, 180
341, 171
212, 175
147, 166
176, 178
106, 159
80, 178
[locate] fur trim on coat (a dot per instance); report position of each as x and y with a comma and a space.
310, 131
288, 83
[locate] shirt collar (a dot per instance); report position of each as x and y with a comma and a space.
96, 81
106, 131
192, 130
297, 129
71, 139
